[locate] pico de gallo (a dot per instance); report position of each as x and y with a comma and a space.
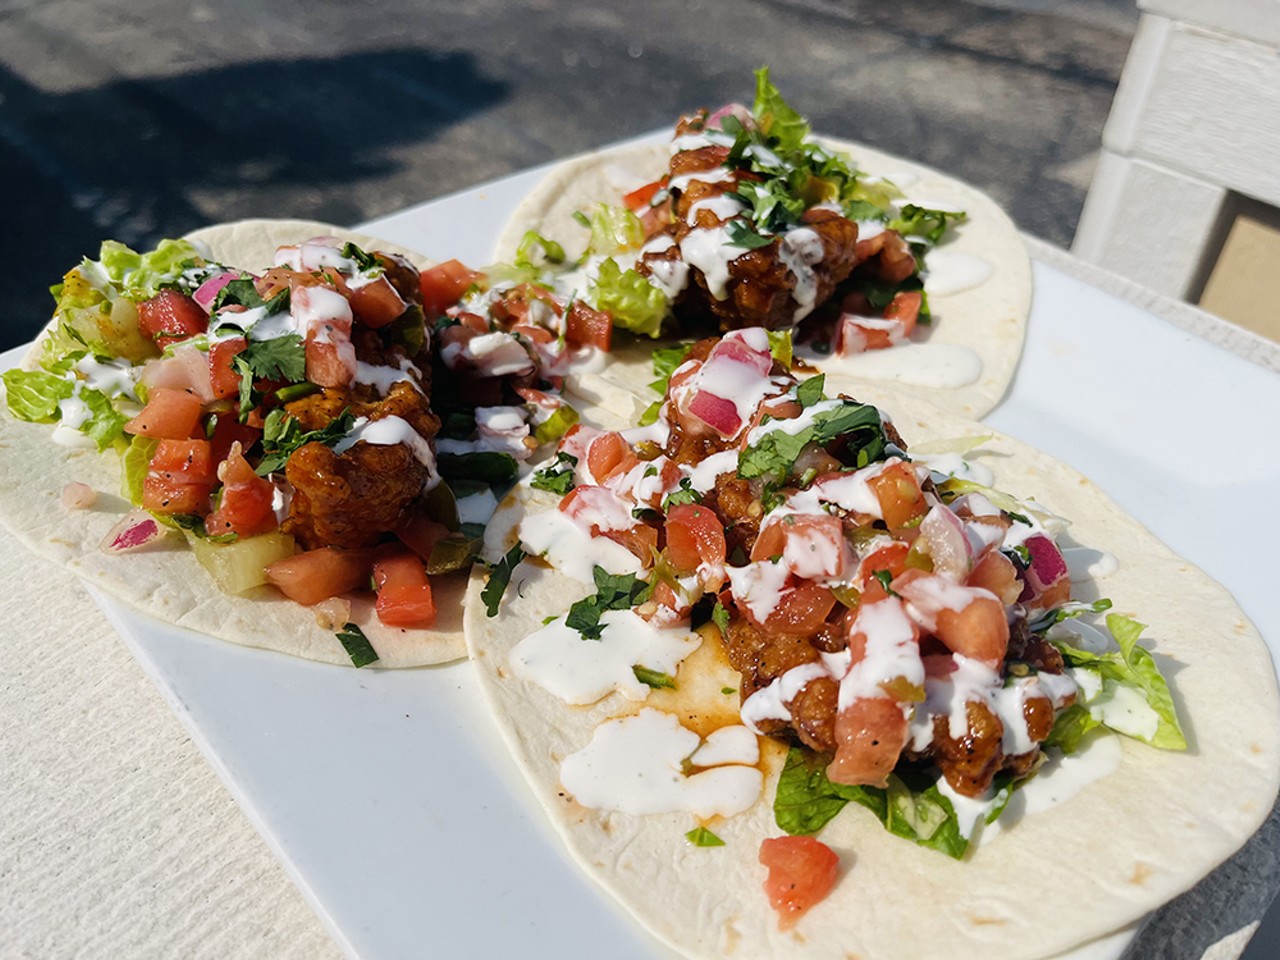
754, 223
280, 419
894, 620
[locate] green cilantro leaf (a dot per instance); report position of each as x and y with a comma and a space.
684, 494
499, 578
357, 645
742, 235
775, 453
720, 617
702, 837
613, 592
557, 477
917, 221
653, 678
367, 262
810, 391
282, 435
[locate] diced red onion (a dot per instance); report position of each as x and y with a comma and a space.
1047, 565
714, 122
78, 496
332, 613
948, 544
719, 414
134, 531
186, 369
208, 291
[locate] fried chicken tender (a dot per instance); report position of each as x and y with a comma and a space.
351, 499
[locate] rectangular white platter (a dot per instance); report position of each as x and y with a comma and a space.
388, 795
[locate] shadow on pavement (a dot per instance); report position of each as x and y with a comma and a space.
130, 160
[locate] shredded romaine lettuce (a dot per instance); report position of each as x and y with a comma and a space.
635, 303
34, 394
613, 230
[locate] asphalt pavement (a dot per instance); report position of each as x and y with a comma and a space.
137, 119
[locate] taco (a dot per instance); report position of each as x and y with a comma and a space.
885, 270
233, 433
862, 664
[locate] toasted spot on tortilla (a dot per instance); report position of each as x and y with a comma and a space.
988, 921
1255, 748
1141, 874
502, 673
730, 936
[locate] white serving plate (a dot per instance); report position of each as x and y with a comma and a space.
388, 795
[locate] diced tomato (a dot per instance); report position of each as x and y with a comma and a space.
870, 735
694, 537
802, 871
180, 478
246, 505
534, 334
891, 557
813, 547
223, 376
800, 610
377, 303
316, 575
171, 316
168, 415
577, 441
642, 540
979, 631
420, 534
332, 363
899, 493
443, 285
905, 308
610, 455
586, 327
404, 592
638, 199
995, 572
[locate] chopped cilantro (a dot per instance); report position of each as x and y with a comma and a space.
810, 391
486, 465
702, 837
357, 645
720, 617
653, 678
367, 262
499, 578
556, 477
728, 691
774, 454
242, 292
917, 221
613, 592
685, 494
282, 434
886, 581
742, 235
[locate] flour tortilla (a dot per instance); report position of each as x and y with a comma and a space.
1126, 844
989, 319
165, 581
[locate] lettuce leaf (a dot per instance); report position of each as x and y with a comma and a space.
1132, 667
636, 304
917, 221
134, 463
33, 395
774, 116
140, 276
105, 425
912, 808
613, 230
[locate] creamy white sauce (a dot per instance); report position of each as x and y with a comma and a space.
799, 251
714, 175
758, 586
634, 765
892, 652
1120, 707
918, 364
571, 549
390, 431
722, 206
385, 377
315, 254
115, 378
1087, 563
869, 229
316, 310
955, 465
770, 702
948, 272
703, 476
669, 276
580, 671
727, 745
709, 251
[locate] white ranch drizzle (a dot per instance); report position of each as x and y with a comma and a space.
634, 765
315, 254
115, 378
385, 377
1120, 707
571, 549
955, 465
477, 508
723, 206
759, 586
799, 251
770, 702
580, 671
733, 744
703, 476
709, 251
1088, 563
948, 272
713, 175
669, 276
389, 431
891, 652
